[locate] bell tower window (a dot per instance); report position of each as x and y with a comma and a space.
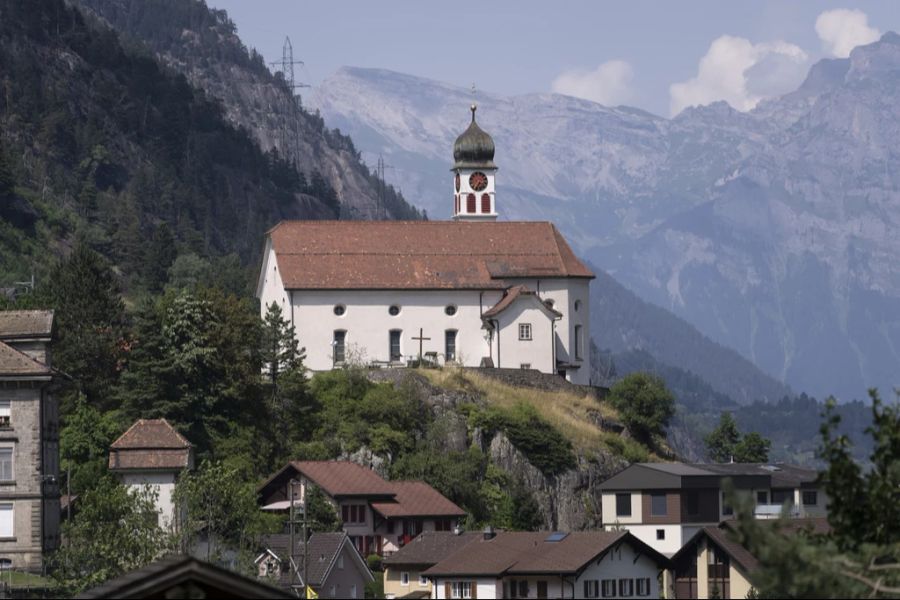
486, 203
470, 204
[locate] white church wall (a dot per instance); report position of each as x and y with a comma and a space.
514, 352
270, 287
367, 322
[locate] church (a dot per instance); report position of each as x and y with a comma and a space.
472, 291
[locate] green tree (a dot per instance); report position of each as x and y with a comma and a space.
114, 531
860, 558
721, 441
645, 404
280, 351
753, 448
220, 507
84, 445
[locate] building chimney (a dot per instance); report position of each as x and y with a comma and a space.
489, 533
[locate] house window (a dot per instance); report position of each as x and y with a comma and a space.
762, 497
6, 464
626, 587
727, 510
340, 561
470, 204
404, 578
339, 310
423, 581
450, 310
352, 513
450, 345
461, 589
353, 591
660, 534
338, 347
577, 305
623, 505
658, 504
6, 520
810, 498
542, 589
525, 366
591, 588
394, 310
643, 586
578, 342
608, 588
395, 345
5, 414
525, 331
443, 524
486, 203
782, 496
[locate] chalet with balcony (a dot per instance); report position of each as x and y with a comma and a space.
379, 516
665, 504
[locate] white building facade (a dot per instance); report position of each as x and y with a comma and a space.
470, 291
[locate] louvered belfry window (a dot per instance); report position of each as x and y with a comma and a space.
470, 204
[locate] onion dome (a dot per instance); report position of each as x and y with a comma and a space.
474, 149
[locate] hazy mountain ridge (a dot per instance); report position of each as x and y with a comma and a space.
772, 231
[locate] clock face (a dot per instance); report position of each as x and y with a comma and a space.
457, 182
478, 181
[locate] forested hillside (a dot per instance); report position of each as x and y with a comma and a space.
100, 142
202, 44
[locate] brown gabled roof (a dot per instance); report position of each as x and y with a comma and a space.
416, 499
431, 547
324, 549
150, 444
419, 254
513, 294
522, 553
18, 364
343, 478
17, 324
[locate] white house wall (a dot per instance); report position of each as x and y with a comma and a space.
163, 484
538, 351
621, 563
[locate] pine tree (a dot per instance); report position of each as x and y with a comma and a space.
721, 441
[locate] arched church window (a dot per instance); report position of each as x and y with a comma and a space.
485, 203
470, 204
394, 310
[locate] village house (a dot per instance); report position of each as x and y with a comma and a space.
403, 576
379, 516
665, 504
472, 291
334, 569
520, 564
29, 441
152, 453
712, 565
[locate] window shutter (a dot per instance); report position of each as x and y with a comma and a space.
474, 590
446, 589
587, 591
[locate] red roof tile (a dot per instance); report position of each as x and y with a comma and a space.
150, 444
419, 254
343, 478
417, 499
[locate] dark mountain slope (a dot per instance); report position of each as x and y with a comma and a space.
100, 141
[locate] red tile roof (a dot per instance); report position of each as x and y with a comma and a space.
419, 254
431, 547
417, 499
513, 294
150, 444
18, 364
26, 324
521, 552
343, 478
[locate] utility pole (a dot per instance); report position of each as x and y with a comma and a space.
290, 136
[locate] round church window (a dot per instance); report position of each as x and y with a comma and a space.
339, 309
450, 310
394, 310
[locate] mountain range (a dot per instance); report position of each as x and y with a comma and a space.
773, 231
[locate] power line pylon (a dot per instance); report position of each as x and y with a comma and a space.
290, 133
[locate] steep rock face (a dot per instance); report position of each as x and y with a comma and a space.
774, 232
202, 44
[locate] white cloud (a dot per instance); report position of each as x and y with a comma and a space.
608, 84
841, 30
741, 73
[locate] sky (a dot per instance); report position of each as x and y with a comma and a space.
660, 56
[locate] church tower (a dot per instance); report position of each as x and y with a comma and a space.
474, 171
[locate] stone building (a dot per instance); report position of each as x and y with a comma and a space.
29, 441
